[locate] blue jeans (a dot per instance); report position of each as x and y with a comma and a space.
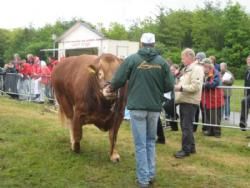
144, 126
227, 106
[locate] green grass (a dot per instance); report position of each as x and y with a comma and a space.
34, 152
238, 83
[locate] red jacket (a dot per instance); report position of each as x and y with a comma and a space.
52, 65
45, 75
36, 70
25, 69
212, 96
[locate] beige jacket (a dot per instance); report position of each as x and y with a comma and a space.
191, 82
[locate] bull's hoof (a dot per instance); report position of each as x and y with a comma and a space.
115, 158
76, 147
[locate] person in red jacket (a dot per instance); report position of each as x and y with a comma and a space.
24, 69
36, 68
212, 99
46, 80
36, 77
52, 62
45, 73
30, 59
23, 84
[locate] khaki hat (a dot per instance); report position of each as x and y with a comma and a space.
206, 61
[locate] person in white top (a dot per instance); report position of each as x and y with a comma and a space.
227, 80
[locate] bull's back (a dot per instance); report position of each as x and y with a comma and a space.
69, 76
71, 69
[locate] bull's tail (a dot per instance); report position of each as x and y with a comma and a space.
62, 116
61, 113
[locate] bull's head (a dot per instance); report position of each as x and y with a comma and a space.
108, 65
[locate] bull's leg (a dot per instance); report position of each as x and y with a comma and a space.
114, 155
75, 134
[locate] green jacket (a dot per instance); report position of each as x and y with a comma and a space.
148, 78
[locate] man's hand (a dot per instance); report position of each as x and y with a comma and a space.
109, 89
178, 88
108, 92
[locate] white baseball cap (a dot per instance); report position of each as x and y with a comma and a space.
148, 38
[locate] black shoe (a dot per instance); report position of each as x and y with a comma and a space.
193, 151
151, 181
160, 141
247, 137
181, 154
243, 126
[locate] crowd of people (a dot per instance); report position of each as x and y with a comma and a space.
214, 102
28, 79
193, 87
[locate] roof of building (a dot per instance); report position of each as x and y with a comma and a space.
76, 26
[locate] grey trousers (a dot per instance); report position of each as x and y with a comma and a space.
187, 115
213, 116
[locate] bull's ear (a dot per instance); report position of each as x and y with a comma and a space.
100, 74
92, 69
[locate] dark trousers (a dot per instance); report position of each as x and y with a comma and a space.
245, 104
187, 115
160, 131
173, 125
170, 109
213, 116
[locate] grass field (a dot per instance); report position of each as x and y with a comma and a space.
34, 152
237, 95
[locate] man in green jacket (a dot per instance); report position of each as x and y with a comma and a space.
148, 78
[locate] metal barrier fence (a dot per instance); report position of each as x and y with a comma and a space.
33, 89
229, 115
36, 89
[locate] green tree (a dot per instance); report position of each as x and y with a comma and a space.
174, 28
237, 34
116, 31
139, 27
31, 40
207, 28
4, 39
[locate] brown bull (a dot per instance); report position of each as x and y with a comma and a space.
80, 84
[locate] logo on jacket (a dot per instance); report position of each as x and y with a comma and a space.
145, 65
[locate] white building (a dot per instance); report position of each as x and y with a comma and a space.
82, 39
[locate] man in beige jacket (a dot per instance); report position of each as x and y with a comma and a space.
188, 96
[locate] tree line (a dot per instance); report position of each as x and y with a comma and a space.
223, 32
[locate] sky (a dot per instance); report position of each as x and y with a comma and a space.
23, 13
